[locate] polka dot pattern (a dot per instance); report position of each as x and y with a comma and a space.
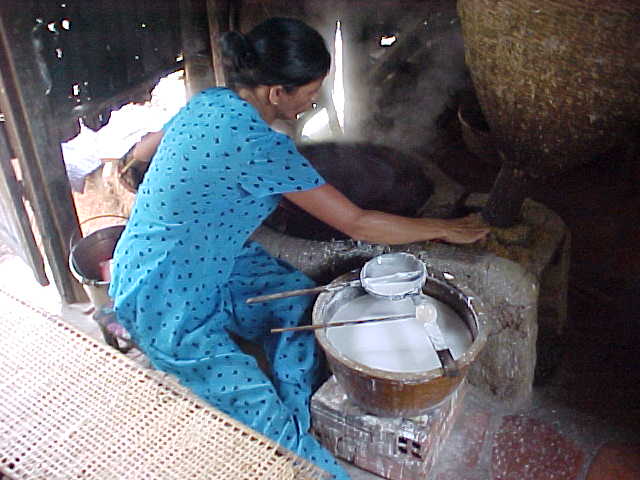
184, 267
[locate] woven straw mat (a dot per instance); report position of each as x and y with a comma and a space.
72, 408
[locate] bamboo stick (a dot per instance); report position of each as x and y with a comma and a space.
340, 324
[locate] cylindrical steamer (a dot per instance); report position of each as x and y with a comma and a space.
400, 394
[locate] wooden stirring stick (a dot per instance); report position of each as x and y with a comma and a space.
340, 324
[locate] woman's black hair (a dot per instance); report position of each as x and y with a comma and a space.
279, 51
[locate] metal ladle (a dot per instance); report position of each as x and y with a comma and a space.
391, 275
396, 278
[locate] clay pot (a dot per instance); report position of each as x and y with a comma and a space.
398, 394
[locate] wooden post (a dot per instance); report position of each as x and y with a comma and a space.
223, 15
35, 141
196, 46
509, 191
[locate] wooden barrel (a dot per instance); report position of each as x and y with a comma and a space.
558, 80
400, 394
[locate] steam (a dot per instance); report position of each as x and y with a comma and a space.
428, 72
411, 111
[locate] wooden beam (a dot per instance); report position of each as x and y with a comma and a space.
31, 128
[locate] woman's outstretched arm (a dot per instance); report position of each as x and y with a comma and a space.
145, 149
332, 207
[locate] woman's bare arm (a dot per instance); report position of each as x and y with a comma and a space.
145, 149
332, 207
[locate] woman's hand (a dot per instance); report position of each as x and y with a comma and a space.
467, 229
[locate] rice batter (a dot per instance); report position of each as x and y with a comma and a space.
395, 345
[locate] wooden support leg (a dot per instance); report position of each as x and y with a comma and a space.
511, 188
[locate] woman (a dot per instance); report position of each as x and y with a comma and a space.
184, 265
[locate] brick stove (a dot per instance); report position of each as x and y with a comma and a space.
394, 448
521, 275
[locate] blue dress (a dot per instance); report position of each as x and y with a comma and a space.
185, 265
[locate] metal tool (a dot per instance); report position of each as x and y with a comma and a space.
427, 313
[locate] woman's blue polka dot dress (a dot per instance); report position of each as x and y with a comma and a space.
184, 267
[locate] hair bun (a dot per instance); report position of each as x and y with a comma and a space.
239, 51
278, 51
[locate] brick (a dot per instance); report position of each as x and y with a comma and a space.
393, 448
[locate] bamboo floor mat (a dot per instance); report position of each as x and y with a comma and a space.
73, 408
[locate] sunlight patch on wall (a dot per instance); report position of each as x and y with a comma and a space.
338, 83
318, 124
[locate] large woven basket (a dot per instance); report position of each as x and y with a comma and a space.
558, 80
